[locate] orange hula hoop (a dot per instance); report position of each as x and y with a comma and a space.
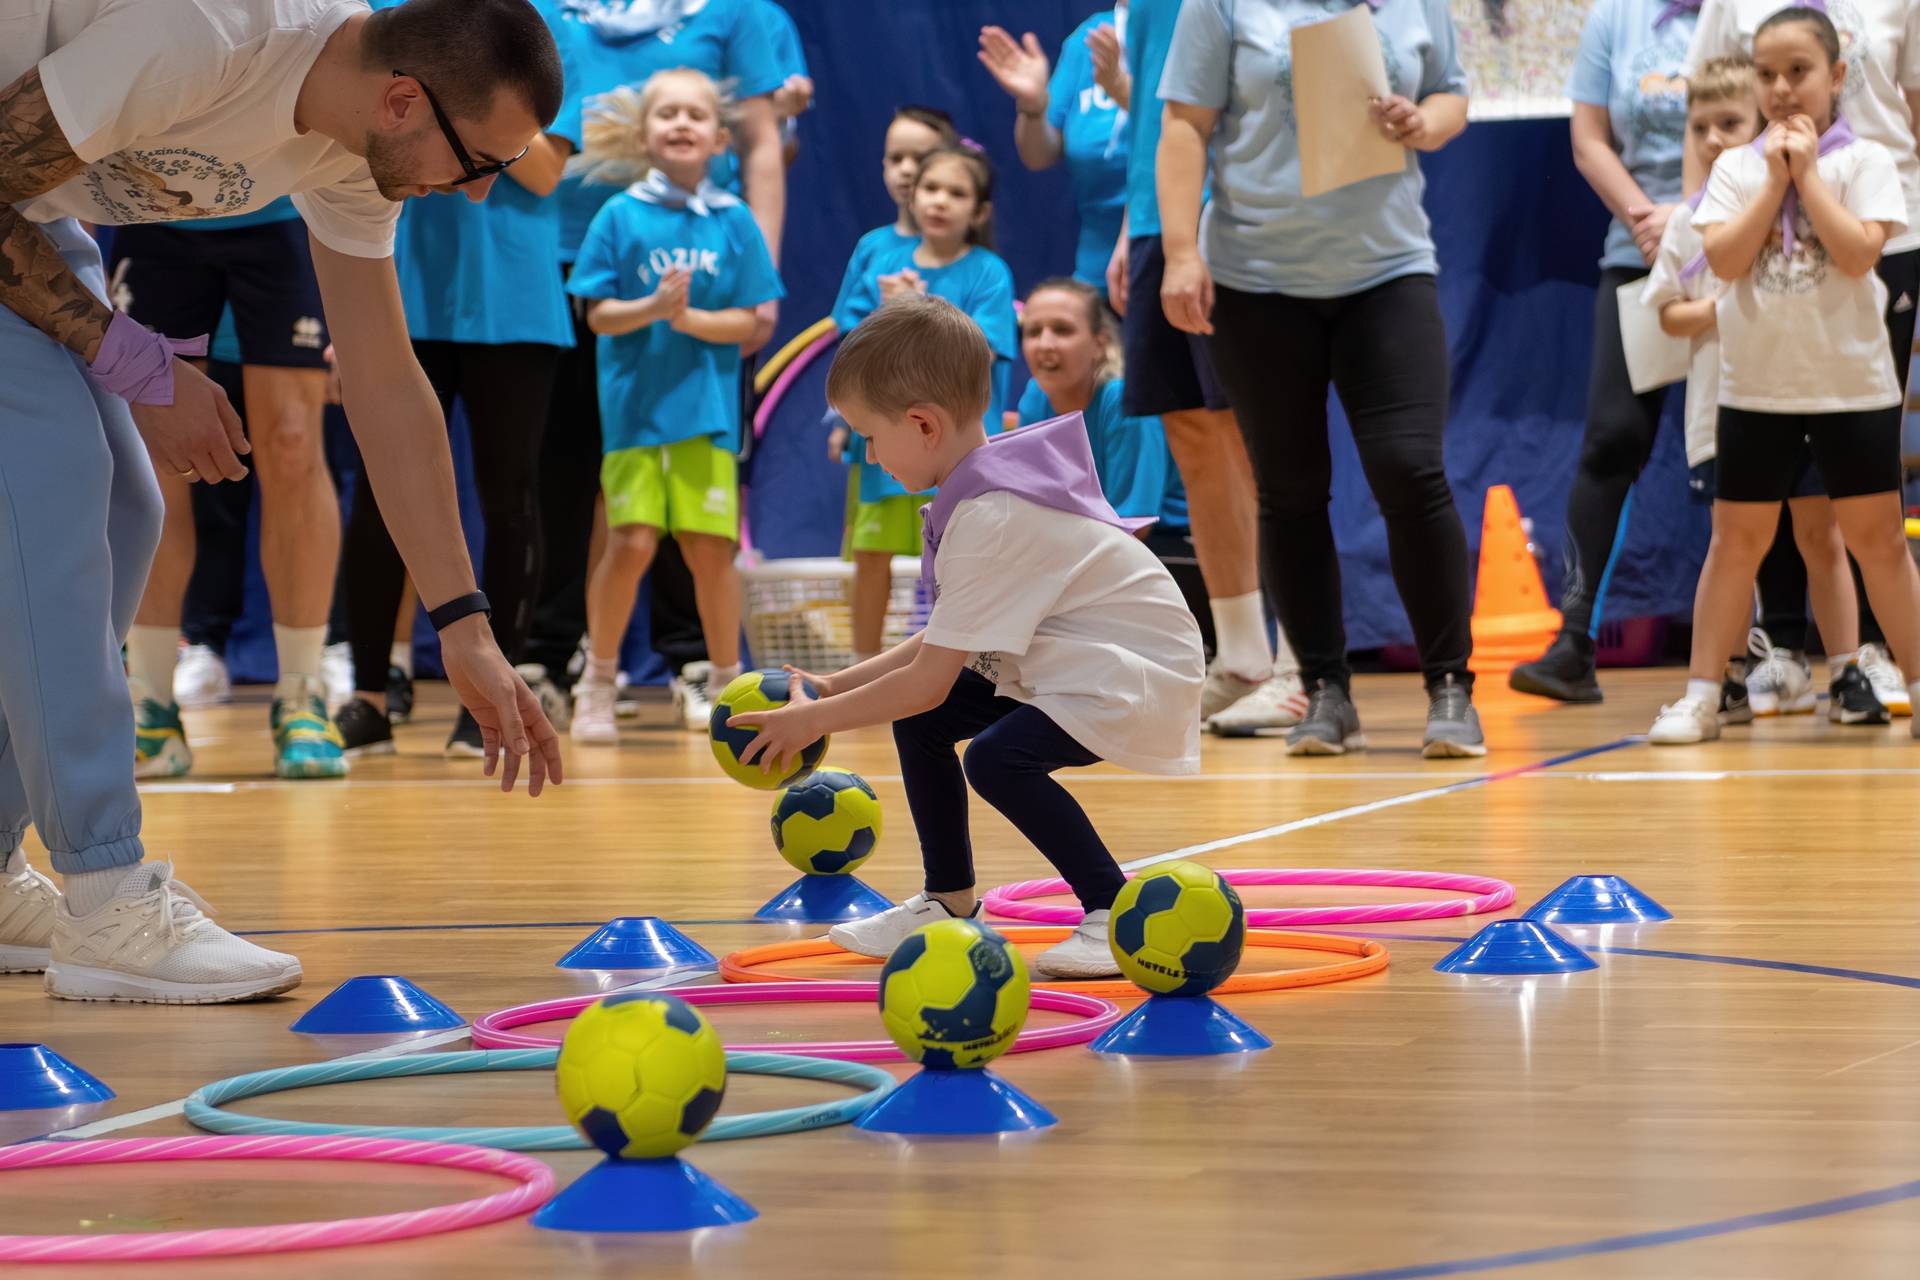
1363, 958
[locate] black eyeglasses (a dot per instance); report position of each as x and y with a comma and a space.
474, 172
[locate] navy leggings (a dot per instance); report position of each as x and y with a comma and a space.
1015, 749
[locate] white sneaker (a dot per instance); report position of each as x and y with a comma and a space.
1876, 664
877, 936
201, 679
1781, 682
1280, 703
1224, 688
159, 947
1085, 954
552, 701
693, 695
1686, 721
592, 723
336, 670
28, 903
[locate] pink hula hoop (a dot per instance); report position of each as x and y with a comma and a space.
495, 1030
535, 1179
795, 367
1009, 900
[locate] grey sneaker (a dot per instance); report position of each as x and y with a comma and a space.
1331, 724
1453, 726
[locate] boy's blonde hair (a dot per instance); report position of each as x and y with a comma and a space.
916, 349
613, 129
1720, 79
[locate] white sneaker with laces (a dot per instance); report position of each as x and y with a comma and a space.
28, 903
552, 700
1781, 682
1280, 703
336, 671
693, 695
160, 947
201, 678
1224, 688
877, 936
593, 723
1085, 954
1876, 664
1687, 721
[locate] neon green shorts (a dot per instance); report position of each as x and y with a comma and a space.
891, 525
690, 486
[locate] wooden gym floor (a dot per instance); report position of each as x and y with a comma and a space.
1727, 1095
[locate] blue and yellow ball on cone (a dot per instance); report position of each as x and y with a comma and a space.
746, 693
954, 994
1178, 929
641, 1075
828, 824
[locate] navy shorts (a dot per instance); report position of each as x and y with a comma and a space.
177, 282
1167, 371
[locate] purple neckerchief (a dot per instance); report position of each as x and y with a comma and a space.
1699, 262
1838, 135
1673, 10
1049, 463
136, 364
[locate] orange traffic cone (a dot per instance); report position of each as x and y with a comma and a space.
1512, 622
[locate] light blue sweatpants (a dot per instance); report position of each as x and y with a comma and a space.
79, 520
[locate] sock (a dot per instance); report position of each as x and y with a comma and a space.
1837, 663
942, 897
300, 650
1240, 636
1737, 669
719, 677
401, 656
600, 671
14, 863
151, 655
1707, 689
88, 891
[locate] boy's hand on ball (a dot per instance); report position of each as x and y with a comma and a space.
783, 734
823, 685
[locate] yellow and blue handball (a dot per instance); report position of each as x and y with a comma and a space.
954, 994
641, 1075
828, 825
750, 692
1178, 929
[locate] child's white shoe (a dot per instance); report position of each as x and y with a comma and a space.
593, 723
1085, 954
877, 936
1689, 720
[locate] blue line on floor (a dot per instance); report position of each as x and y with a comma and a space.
442, 928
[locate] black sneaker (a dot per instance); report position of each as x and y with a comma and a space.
465, 740
1330, 727
365, 730
1453, 726
1734, 707
1565, 672
1851, 699
399, 696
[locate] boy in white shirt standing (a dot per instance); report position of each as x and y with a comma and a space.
1057, 640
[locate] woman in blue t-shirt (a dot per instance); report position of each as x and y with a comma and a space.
1299, 293
1079, 113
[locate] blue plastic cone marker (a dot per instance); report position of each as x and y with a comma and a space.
643, 1195
635, 942
1180, 1026
1597, 900
33, 1076
967, 1101
375, 1005
823, 900
1515, 946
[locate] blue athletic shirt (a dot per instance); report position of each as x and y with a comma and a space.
1094, 129
1130, 454
859, 295
727, 39
658, 387
1149, 35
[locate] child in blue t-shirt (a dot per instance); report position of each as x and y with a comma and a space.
673, 267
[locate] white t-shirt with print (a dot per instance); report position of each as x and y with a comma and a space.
1079, 619
184, 109
1880, 43
1680, 245
1798, 335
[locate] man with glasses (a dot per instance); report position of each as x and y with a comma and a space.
119, 111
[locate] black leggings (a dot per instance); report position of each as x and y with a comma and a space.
1385, 352
505, 387
1783, 575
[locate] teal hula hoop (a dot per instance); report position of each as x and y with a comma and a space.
203, 1106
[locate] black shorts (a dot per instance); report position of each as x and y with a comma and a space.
1167, 371
177, 282
1764, 457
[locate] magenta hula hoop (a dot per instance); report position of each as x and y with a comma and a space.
1092, 1016
534, 1178
1009, 901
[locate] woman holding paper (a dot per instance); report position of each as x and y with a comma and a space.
1299, 292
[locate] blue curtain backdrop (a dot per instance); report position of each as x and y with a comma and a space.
1518, 233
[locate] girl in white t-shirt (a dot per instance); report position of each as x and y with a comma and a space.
1057, 640
1795, 224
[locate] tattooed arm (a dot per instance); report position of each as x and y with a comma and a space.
35, 282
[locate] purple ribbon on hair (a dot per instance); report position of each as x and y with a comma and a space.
136, 364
